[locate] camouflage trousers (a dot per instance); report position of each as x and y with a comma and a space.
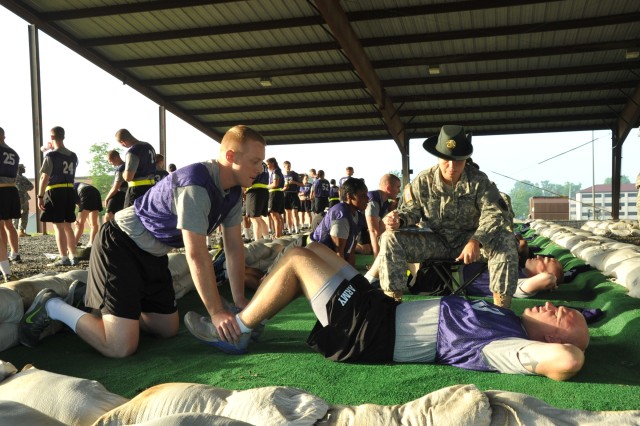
397, 248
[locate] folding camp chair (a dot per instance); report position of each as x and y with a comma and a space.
450, 274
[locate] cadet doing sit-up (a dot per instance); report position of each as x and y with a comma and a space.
358, 323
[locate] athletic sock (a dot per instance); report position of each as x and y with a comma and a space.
370, 277
60, 311
242, 326
5, 267
13, 255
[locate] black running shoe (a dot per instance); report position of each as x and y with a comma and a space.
36, 319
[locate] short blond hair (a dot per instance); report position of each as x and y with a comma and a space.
238, 135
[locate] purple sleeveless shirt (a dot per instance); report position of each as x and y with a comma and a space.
322, 234
154, 207
64, 167
9, 160
465, 327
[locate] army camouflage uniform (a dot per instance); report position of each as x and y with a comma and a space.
471, 210
24, 185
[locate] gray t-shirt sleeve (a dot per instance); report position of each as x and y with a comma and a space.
502, 355
192, 208
131, 162
340, 228
520, 293
373, 209
47, 166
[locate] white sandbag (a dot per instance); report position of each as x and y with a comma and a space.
180, 274
193, 419
455, 405
70, 400
6, 369
570, 243
581, 246
511, 408
617, 256
28, 288
17, 414
11, 306
8, 335
595, 256
627, 273
273, 405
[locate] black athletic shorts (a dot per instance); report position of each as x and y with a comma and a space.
305, 206
116, 203
291, 201
134, 192
10, 206
276, 202
59, 205
90, 199
320, 203
362, 323
257, 202
125, 280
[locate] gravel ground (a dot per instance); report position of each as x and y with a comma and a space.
32, 251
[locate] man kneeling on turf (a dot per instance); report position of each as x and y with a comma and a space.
358, 323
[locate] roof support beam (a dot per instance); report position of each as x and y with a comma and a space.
630, 115
341, 29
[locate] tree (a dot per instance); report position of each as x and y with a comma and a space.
623, 179
100, 170
524, 190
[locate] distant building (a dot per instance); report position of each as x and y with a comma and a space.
583, 209
549, 208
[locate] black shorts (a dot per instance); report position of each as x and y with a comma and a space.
10, 206
276, 202
320, 203
361, 324
291, 201
59, 205
125, 280
305, 206
134, 192
116, 203
90, 199
257, 202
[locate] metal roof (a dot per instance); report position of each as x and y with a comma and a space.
357, 70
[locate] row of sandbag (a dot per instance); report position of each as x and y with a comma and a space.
615, 259
39, 397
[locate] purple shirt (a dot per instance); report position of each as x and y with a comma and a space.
154, 207
466, 327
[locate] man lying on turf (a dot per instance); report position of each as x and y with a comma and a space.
358, 323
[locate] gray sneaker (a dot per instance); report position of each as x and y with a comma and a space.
204, 330
75, 297
74, 262
60, 262
36, 319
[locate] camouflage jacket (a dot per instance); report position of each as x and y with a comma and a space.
24, 185
473, 209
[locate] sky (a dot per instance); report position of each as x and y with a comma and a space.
91, 105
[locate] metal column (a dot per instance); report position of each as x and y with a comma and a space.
36, 113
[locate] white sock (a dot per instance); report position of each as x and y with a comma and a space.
370, 277
5, 267
13, 255
63, 258
243, 327
60, 311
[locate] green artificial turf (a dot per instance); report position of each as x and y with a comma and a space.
610, 379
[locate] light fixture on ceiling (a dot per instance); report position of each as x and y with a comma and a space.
632, 54
434, 69
266, 82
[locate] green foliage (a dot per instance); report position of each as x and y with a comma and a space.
524, 190
623, 179
100, 170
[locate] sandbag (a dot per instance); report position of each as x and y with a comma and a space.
70, 400
180, 274
194, 419
17, 414
273, 405
455, 405
8, 335
11, 305
28, 288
